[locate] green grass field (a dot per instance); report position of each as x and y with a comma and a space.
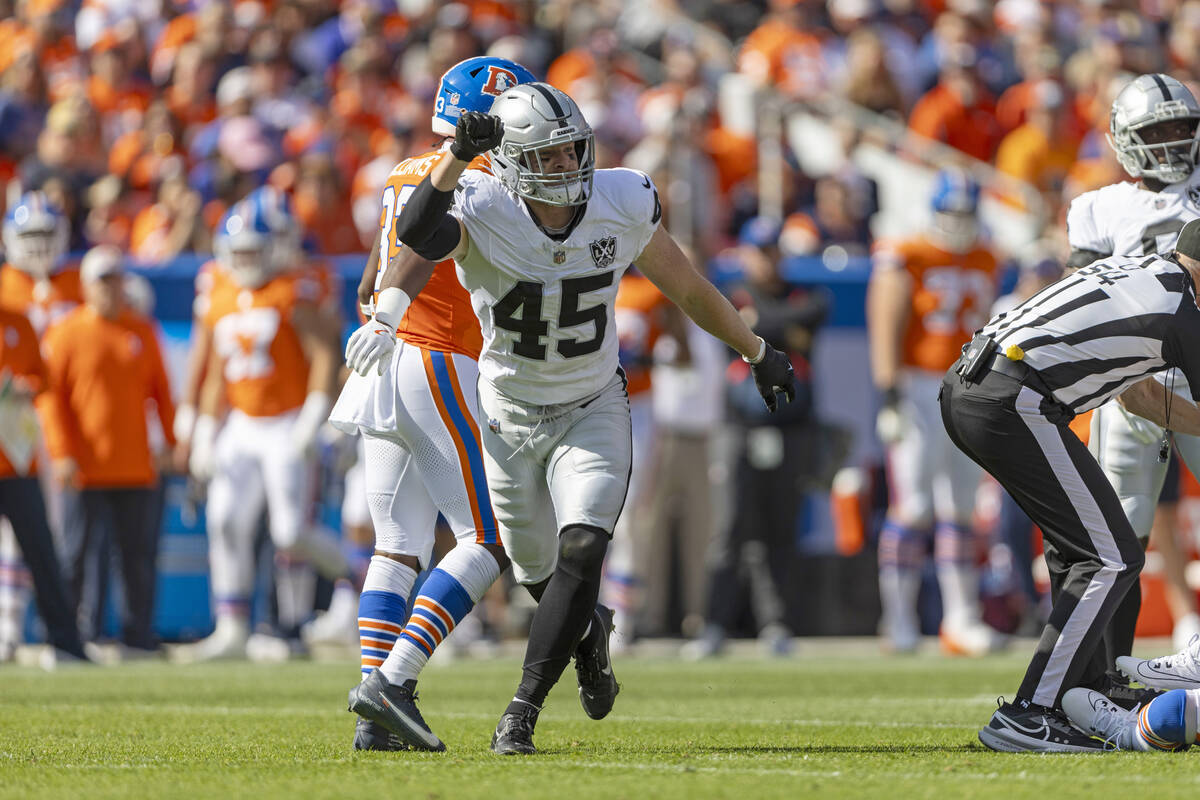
829, 722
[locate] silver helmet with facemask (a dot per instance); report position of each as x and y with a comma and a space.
538, 121
1153, 128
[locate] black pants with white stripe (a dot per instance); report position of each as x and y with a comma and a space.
1091, 550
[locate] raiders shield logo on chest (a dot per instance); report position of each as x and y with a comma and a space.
604, 251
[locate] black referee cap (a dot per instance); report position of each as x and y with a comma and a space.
1189, 240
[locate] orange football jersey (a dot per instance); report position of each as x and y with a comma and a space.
639, 324
265, 367
43, 302
952, 296
440, 317
20, 359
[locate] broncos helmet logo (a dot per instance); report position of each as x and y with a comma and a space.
499, 79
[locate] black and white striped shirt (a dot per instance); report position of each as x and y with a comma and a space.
1103, 328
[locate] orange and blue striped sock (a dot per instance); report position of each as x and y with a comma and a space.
1162, 723
448, 595
382, 609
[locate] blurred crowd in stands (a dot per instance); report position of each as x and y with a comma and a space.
146, 120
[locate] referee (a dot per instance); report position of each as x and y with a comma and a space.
1094, 335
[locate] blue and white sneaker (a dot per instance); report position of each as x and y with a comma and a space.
1025, 727
1178, 671
1093, 713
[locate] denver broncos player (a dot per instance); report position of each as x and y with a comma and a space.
1154, 131
540, 247
38, 282
272, 326
926, 296
419, 423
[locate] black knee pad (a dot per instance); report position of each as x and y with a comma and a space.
581, 548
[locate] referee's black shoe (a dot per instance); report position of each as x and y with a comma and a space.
1024, 727
1118, 689
593, 666
395, 708
514, 732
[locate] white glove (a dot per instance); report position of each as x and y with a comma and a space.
308, 422
185, 420
203, 457
372, 344
890, 425
370, 347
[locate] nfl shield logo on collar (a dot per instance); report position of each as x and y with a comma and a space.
494, 424
604, 251
560, 256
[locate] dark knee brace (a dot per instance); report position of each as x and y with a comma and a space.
581, 550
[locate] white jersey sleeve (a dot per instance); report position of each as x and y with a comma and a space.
1083, 229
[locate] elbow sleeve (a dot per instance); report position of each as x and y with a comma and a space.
424, 216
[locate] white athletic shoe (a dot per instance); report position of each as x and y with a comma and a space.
1178, 671
972, 639
227, 642
263, 648
1094, 713
337, 625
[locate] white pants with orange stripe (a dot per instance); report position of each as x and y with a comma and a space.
419, 422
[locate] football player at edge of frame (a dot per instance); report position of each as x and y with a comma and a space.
1153, 131
540, 246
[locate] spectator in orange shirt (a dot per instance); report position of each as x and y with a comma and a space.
104, 365
318, 190
23, 376
1042, 151
958, 111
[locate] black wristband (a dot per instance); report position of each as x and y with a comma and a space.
461, 154
890, 397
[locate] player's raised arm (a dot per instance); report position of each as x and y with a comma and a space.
665, 264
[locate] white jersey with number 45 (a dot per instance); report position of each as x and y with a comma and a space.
1123, 220
545, 307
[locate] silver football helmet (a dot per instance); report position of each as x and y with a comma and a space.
537, 116
1146, 103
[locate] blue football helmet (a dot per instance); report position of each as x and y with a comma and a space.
36, 235
472, 85
258, 237
955, 205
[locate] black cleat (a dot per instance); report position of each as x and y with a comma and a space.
395, 708
1024, 727
373, 736
514, 733
1128, 697
593, 667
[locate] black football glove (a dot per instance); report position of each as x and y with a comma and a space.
475, 133
773, 374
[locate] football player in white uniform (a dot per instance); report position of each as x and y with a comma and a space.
541, 246
1153, 129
